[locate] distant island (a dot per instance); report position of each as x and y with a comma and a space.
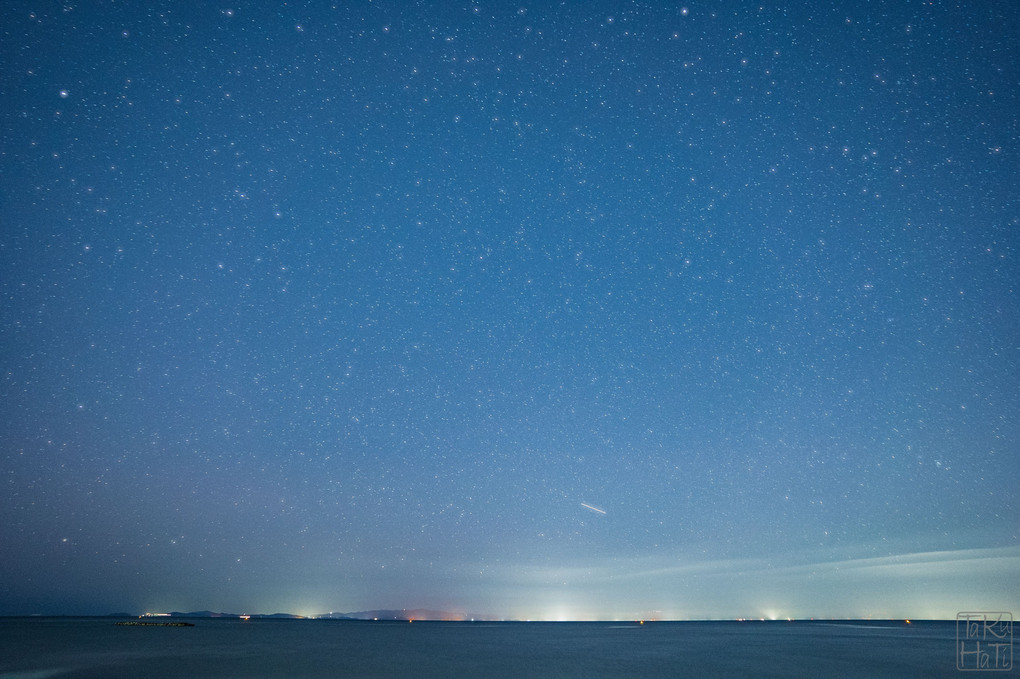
380, 614
142, 623
215, 614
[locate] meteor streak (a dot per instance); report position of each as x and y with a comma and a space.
594, 509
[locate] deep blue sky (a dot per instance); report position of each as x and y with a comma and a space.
333, 307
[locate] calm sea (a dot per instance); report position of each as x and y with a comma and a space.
95, 647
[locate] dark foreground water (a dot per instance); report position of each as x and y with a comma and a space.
94, 647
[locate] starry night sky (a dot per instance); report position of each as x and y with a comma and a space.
587, 310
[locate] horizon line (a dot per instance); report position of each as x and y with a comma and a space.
479, 618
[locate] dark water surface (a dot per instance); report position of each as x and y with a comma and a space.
95, 647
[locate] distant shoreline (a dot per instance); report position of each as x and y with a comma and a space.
177, 621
